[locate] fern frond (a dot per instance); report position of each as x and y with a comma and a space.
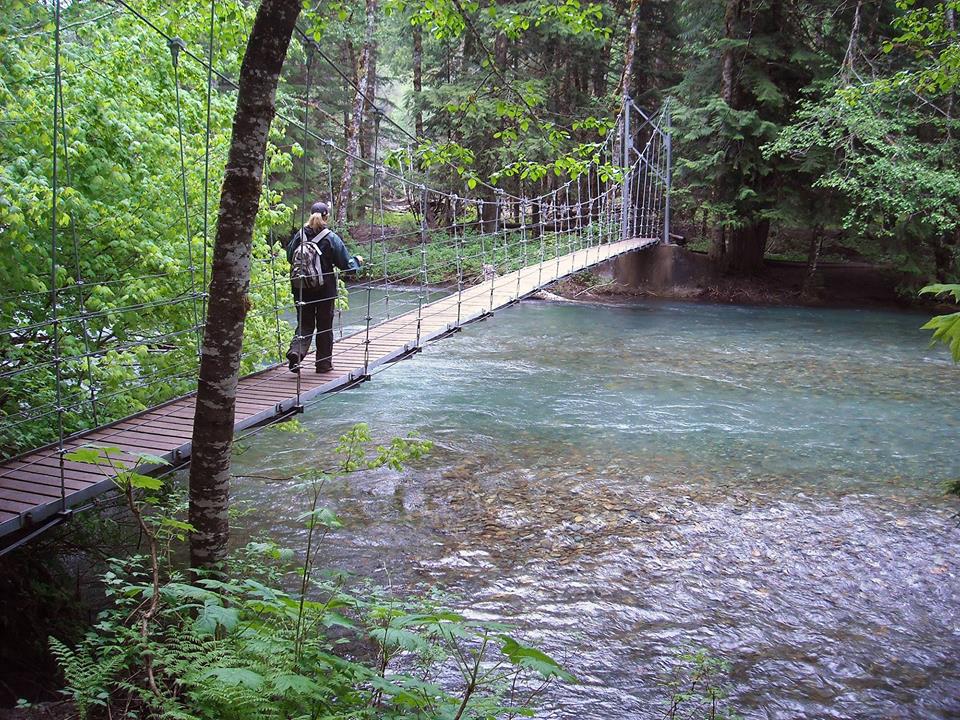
88, 678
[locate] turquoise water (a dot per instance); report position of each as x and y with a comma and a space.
623, 482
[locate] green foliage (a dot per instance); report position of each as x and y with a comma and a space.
406, 261
241, 644
946, 328
125, 477
129, 299
868, 151
925, 32
444, 19
721, 169
699, 688
942, 289
512, 96
88, 677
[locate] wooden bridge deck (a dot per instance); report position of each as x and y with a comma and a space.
31, 493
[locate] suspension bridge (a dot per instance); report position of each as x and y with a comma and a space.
72, 371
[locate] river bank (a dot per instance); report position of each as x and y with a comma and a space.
675, 273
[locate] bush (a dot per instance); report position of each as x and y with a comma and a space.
268, 638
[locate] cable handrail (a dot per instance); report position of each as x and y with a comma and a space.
480, 246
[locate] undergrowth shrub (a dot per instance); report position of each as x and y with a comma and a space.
269, 636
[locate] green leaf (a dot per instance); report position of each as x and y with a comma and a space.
398, 637
297, 684
536, 660
147, 459
946, 330
942, 289
235, 676
332, 619
174, 524
86, 455
183, 591
136, 480
323, 517
214, 616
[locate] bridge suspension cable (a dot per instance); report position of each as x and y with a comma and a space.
423, 243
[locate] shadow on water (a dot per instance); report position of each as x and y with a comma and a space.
624, 482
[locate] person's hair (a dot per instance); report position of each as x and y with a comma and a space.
317, 221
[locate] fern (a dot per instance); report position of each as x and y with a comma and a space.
88, 679
220, 697
242, 647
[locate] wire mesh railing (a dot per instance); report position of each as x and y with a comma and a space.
88, 340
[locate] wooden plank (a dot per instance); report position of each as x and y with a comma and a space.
17, 507
52, 491
53, 461
171, 422
36, 478
34, 475
141, 435
19, 467
261, 395
180, 412
136, 444
33, 498
183, 431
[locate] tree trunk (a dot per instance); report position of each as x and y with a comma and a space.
230, 280
724, 240
501, 47
813, 256
718, 247
727, 81
418, 81
943, 257
489, 219
431, 214
746, 248
849, 59
369, 104
951, 21
626, 79
356, 118
368, 134
352, 62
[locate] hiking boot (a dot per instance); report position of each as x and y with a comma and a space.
293, 362
324, 367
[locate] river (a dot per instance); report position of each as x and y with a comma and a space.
625, 482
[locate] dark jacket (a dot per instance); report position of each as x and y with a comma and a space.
331, 247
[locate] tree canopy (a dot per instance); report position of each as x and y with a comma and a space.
793, 119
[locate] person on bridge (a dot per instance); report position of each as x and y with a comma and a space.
313, 252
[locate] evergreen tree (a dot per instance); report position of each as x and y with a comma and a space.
746, 64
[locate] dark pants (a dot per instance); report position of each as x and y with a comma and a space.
315, 311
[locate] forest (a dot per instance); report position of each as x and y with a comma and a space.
800, 130
804, 131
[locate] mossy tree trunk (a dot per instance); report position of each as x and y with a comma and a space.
230, 280
364, 77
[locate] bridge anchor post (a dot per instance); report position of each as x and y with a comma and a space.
668, 142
